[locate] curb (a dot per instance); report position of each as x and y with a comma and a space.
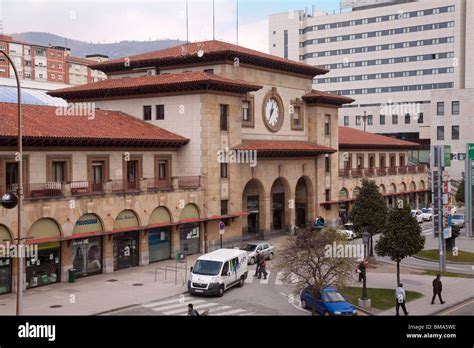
447, 262
363, 310
453, 306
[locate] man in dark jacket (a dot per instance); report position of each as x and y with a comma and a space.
437, 288
258, 260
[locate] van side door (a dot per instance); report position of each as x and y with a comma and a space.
226, 275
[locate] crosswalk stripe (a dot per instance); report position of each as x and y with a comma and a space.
213, 310
163, 308
234, 311
176, 311
250, 278
265, 281
159, 303
279, 278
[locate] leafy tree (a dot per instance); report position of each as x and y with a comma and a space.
369, 210
304, 261
401, 238
460, 192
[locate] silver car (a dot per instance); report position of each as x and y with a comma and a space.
251, 248
458, 220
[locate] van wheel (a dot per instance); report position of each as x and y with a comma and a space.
241, 282
270, 256
220, 292
304, 304
252, 260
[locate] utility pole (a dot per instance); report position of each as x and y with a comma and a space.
437, 161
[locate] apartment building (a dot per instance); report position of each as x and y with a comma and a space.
44, 67
387, 55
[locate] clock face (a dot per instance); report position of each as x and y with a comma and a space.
272, 112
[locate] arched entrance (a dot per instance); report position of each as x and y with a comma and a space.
5, 264
87, 252
403, 193
189, 231
279, 196
253, 203
126, 245
45, 268
422, 196
391, 198
344, 205
303, 192
159, 237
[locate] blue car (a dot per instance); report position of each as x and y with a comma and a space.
329, 302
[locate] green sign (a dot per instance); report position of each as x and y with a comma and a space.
447, 155
470, 151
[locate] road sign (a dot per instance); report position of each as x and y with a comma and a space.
447, 232
458, 156
470, 151
447, 155
221, 227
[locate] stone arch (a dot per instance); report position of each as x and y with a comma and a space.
422, 185
393, 188
343, 193
280, 194
160, 215
412, 186
127, 218
190, 211
355, 192
382, 189
253, 202
86, 224
303, 201
403, 187
44, 228
5, 234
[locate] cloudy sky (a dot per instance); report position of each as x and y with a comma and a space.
116, 20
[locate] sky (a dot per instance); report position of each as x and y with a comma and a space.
108, 21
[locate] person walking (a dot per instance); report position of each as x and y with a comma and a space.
361, 271
400, 297
437, 288
258, 258
191, 311
262, 269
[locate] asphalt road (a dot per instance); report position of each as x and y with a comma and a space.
466, 308
256, 297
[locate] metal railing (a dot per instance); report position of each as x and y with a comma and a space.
157, 184
41, 191
189, 182
87, 187
382, 171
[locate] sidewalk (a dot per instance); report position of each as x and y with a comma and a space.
455, 290
100, 293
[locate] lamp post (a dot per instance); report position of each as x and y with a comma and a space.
19, 159
364, 118
364, 301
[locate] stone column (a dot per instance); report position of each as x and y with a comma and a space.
143, 248
66, 260
265, 216
108, 256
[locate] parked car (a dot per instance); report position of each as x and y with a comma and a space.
427, 214
418, 215
251, 248
217, 271
458, 220
349, 234
329, 302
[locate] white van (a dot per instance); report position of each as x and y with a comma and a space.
218, 271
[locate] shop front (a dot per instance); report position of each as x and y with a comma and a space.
5, 264
189, 232
126, 244
87, 252
44, 268
159, 238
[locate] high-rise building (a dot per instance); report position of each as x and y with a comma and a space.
387, 55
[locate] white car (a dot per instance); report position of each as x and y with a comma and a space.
418, 215
350, 235
251, 248
427, 214
458, 220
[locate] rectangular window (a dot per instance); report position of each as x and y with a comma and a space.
370, 120
455, 107
162, 169
224, 117
346, 121
407, 119
394, 119
147, 112
440, 108
59, 171
246, 111
382, 120
327, 125
455, 132
358, 120
440, 133
420, 117
285, 43
327, 164
328, 195
160, 112
224, 173
224, 207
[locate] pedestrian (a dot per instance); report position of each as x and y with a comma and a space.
400, 297
437, 288
191, 311
262, 269
361, 271
258, 259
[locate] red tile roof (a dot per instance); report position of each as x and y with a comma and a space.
318, 97
350, 138
155, 84
281, 148
42, 126
213, 51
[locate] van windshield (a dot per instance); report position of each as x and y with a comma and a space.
206, 267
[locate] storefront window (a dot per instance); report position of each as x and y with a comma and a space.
5, 276
87, 256
159, 244
45, 268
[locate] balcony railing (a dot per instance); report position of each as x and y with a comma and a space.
381, 171
157, 184
41, 191
189, 182
125, 185
79, 188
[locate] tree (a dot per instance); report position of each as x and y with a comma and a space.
369, 210
309, 259
401, 238
460, 192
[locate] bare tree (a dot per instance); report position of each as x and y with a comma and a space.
308, 260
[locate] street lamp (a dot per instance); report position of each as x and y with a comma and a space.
364, 301
364, 118
7, 200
